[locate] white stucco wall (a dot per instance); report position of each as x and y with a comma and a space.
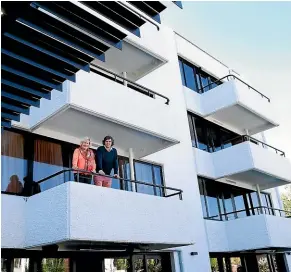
241, 158
12, 221
126, 105
248, 233
75, 211
246, 109
69, 210
178, 161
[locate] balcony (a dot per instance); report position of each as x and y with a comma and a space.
245, 160
103, 103
234, 103
80, 216
257, 231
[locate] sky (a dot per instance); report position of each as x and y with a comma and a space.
254, 39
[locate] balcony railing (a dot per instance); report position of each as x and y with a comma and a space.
228, 78
250, 212
247, 138
67, 175
129, 83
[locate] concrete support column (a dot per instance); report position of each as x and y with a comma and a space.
124, 74
131, 166
288, 261
259, 197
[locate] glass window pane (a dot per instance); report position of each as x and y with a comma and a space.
182, 72
48, 159
239, 204
202, 196
213, 138
13, 161
114, 265
138, 265
255, 201
189, 75
235, 264
192, 130
143, 172
201, 134
199, 86
154, 265
263, 263
56, 264
212, 199
214, 265
213, 83
204, 82
229, 209
158, 180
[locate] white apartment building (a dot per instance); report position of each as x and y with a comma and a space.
198, 181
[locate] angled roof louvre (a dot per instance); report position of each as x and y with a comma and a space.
45, 43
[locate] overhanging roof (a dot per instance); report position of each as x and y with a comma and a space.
45, 43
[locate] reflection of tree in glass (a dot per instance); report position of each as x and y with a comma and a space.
154, 265
53, 265
121, 264
138, 265
286, 198
214, 264
263, 264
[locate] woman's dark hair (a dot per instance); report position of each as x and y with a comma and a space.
108, 138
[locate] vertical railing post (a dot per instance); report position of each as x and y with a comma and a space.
124, 74
259, 197
131, 166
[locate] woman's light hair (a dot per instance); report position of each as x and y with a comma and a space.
85, 139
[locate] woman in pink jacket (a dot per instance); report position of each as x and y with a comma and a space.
84, 159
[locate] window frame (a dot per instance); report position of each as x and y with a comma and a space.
198, 72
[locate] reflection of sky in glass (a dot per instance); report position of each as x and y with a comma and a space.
43, 170
240, 205
189, 75
158, 180
212, 206
12, 166
143, 172
203, 206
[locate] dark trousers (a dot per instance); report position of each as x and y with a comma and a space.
83, 178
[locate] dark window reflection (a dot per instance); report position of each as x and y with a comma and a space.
208, 136
195, 79
190, 77
222, 201
182, 73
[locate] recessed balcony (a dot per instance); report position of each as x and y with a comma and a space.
247, 160
233, 103
261, 228
81, 216
103, 103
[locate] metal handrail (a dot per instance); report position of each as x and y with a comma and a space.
150, 92
78, 171
245, 138
259, 209
201, 49
235, 77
